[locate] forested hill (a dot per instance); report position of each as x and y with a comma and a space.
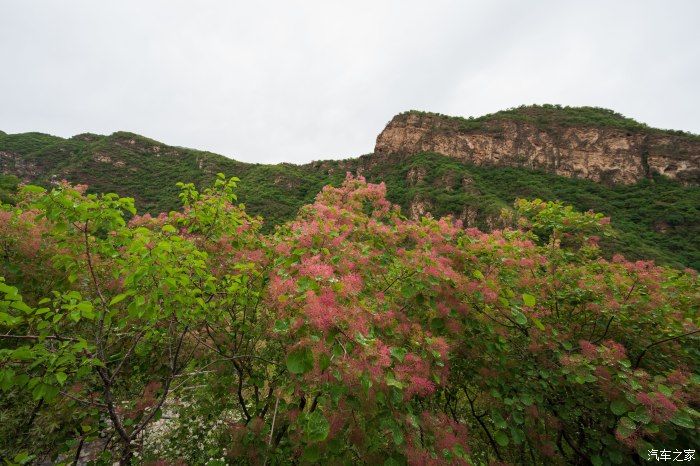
657, 217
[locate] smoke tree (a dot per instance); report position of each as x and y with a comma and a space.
349, 335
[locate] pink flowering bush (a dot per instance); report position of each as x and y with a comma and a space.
349, 335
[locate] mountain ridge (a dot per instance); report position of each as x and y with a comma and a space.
577, 142
564, 116
659, 216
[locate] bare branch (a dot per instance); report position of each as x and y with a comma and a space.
641, 355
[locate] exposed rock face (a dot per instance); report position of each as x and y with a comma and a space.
599, 154
418, 208
12, 163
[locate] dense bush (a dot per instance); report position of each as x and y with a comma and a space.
350, 335
654, 219
8, 188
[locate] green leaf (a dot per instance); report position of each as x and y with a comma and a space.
437, 324
398, 436
399, 353
281, 326
61, 377
306, 283
643, 448
80, 345
518, 435
23, 458
618, 407
499, 421
324, 361
7, 289
21, 306
626, 427
311, 454
6, 379
538, 323
300, 361
665, 390
86, 309
392, 382
520, 318
640, 415
501, 438
23, 353
117, 299
316, 427
682, 419
529, 300
50, 392
366, 382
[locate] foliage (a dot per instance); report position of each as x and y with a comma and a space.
549, 116
126, 295
8, 188
349, 335
656, 219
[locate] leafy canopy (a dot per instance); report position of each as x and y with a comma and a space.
351, 334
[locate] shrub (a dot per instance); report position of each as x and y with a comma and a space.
349, 335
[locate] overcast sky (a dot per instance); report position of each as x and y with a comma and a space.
305, 80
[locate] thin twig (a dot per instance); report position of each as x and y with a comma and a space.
641, 355
274, 416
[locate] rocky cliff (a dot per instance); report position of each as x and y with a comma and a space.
600, 153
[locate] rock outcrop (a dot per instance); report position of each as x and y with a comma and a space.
602, 154
12, 163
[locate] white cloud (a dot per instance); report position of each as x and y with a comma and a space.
295, 81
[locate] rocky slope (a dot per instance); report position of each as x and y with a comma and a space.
623, 153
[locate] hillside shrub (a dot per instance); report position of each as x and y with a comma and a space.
350, 335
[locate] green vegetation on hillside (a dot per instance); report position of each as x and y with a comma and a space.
552, 116
657, 219
8, 188
27, 143
135, 166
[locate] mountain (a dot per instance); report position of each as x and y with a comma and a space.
645, 179
580, 142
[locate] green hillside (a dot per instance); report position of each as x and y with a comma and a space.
658, 219
550, 116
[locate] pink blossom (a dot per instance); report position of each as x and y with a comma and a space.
527, 262
314, 268
588, 349
321, 309
419, 386
352, 283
